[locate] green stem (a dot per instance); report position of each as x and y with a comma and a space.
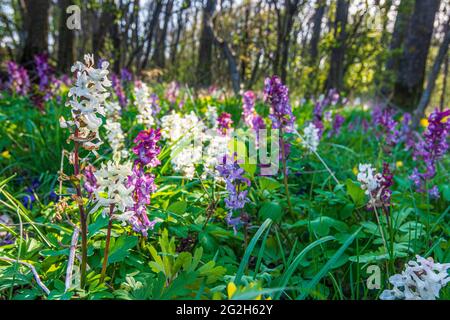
285, 176
107, 244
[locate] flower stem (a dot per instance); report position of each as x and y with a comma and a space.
108, 240
285, 177
83, 219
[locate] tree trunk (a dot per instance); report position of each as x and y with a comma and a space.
37, 30
431, 81
408, 87
159, 57
204, 74
444, 84
336, 74
317, 30
66, 37
151, 32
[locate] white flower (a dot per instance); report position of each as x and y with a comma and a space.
368, 179
211, 116
115, 137
112, 181
145, 112
87, 99
311, 137
213, 152
421, 280
186, 132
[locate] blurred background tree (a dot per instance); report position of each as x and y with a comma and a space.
395, 51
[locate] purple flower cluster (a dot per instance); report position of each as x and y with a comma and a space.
331, 99
337, 125
431, 148
232, 173
251, 118
126, 75
19, 82
143, 184
172, 92
155, 103
90, 182
118, 89
146, 148
277, 94
386, 183
224, 123
383, 119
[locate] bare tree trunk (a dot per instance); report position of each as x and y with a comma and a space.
431, 81
317, 30
204, 74
411, 73
336, 74
159, 57
444, 84
151, 31
66, 38
37, 30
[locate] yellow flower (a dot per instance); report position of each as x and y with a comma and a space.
424, 122
444, 120
355, 171
5, 154
399, 164
231, 289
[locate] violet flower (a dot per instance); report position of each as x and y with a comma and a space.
232, 173
383, 119
18, 82
143, 184
90, 181
126, 75
118, 89
251, 118
224, 123
432, 148
277, 94
146, 148
337, 124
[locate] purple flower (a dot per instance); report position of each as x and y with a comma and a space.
19, 82
251, 117
118, 89
224, 123
155, 103
337, 124
90, 182
146, 148
172, 92
143, 183
386, 184
126, 75
237, 198
383, 118
277, 94
432, 147
434, 192
143, 186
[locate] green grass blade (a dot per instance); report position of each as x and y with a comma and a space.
250, 248
328, 266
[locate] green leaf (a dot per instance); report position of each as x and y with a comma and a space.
269, 184
271, 210
178, 207
119, 250
355, 192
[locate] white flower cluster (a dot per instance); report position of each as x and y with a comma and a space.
112, 181
368, 179
186, 132
311, 137
87, 99
211, 116
213, 153
114, 132
145, 112
421, 280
